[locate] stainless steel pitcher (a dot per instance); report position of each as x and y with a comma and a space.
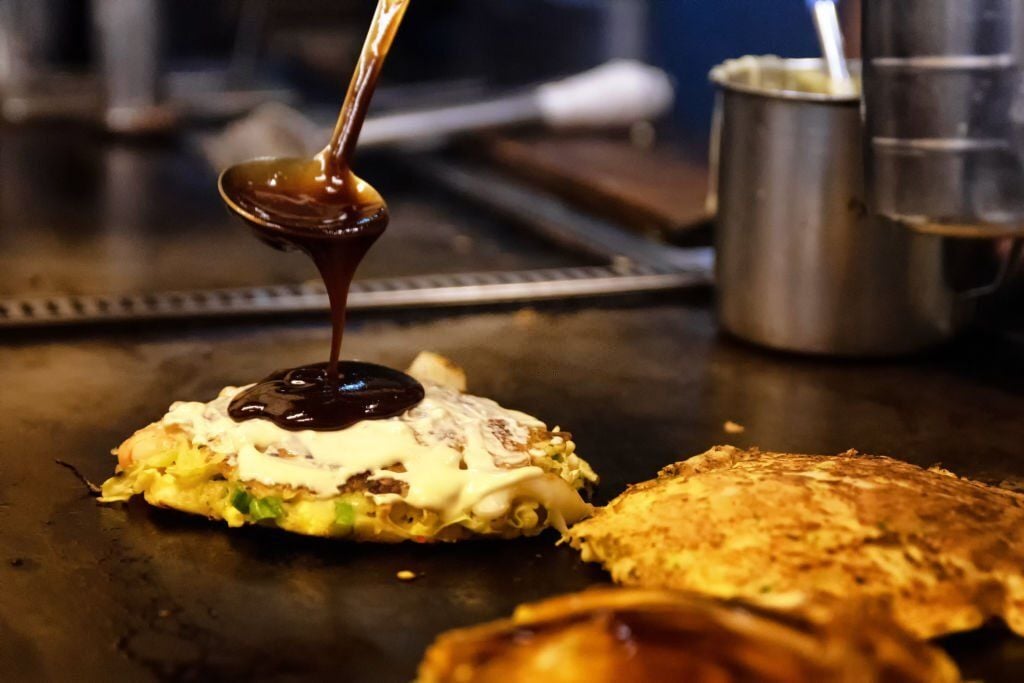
802, 264
944, 104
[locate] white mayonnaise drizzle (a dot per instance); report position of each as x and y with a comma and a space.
460, 453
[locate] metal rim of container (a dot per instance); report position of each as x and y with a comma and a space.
721, 76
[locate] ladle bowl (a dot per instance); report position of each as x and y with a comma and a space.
291, 200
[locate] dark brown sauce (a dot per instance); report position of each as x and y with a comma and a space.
320, 207
310, 398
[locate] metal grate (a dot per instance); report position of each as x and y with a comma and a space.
400, 292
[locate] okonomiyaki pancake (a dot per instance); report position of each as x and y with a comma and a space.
647, 636
939, 552
452, 467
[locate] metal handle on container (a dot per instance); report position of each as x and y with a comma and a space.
1002, 276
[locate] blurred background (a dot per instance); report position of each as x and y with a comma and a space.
117, 115
174, 48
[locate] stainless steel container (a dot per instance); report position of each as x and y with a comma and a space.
801, 264
944, 95
129, 38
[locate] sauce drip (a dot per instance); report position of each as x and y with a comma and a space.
319, 206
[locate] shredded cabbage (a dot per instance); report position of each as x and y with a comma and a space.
195, 479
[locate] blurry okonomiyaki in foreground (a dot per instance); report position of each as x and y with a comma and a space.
645, 636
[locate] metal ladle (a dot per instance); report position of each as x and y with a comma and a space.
826, 21
280, 198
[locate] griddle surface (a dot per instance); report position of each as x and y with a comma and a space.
97, 593
133, 593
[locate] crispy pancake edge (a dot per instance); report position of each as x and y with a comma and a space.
941, 553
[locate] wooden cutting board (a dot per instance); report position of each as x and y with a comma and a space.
651, 191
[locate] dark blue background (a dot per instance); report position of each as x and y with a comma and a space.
691, 36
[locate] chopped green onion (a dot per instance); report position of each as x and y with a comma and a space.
241, 501
344, 514
258, 509
266, 508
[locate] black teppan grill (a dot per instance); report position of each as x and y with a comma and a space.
134, 593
